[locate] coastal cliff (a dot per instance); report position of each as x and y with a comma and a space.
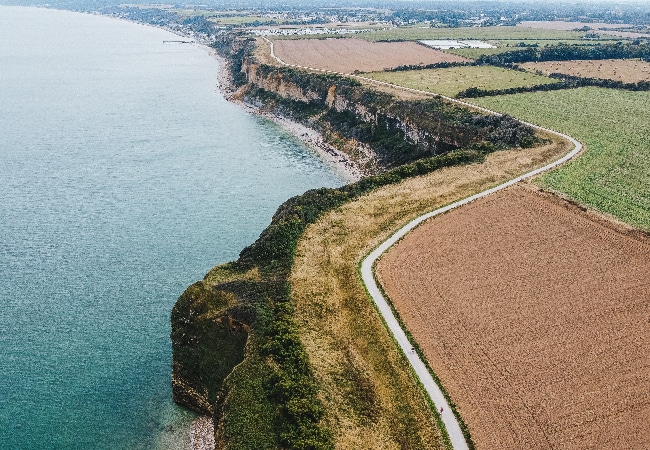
374, 130
237, 352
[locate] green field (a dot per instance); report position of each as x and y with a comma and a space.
613, 174
483, 33
507, 45
243, 19
452, 80
473, 53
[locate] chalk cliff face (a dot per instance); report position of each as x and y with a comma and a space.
344, 111
277, 83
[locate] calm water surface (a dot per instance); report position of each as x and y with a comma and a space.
124, 177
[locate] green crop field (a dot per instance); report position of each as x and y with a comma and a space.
506, 45
452, 80
613, 174
500, 35
244, 19
473, 53
483, 33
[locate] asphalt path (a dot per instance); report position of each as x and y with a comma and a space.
367, 265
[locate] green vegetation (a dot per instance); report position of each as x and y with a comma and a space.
565, 82
453, 80
515, 34
240, 20
562, 52
231, 17
613, 175
248, 303
474, 53
508, 45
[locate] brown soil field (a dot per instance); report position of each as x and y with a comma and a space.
348, 55
625, 70
535, 315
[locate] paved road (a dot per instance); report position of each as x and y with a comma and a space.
367, 275
367, 265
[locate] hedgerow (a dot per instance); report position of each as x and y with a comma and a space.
567, 82
565, 52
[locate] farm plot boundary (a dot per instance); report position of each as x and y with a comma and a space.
534, 317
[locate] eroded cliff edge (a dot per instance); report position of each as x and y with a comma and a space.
237, 354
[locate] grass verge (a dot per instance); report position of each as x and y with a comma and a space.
370, 397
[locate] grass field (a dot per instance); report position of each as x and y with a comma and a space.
243, 19
484, 33
613, 175
452, 80
507, 45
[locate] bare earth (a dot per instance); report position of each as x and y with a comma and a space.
348, 55
625, 70
536, 318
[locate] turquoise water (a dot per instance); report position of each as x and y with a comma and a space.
124, 177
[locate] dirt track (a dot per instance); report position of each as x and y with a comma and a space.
535, 317
348, 55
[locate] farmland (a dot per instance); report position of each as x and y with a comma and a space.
450, 81
534, 316
369, 401
514, 34
365, 391
625, 70
504, 38
606, 29
613, 174
349, 55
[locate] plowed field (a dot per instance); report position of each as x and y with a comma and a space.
535, 316
625, 70
348, 55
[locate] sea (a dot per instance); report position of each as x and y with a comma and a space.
124, 177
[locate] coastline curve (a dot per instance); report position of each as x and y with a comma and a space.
367, 275
366, 268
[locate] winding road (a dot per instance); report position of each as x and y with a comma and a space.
367, 265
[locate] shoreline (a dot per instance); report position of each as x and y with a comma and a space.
202, 434
201, 430
338, 161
